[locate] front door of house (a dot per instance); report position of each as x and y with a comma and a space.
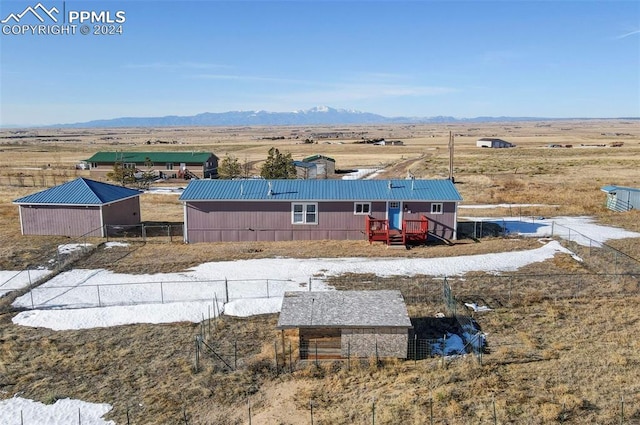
393, 215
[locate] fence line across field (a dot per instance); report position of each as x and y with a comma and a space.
153, 292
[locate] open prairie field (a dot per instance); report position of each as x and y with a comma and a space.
556, 353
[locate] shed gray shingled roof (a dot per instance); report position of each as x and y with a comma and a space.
343, 309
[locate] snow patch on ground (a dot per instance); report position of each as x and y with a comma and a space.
17, 411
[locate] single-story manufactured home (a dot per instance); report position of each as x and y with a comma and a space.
620, 198
341, 324
169, 165
81, 207
390, 211
488, 142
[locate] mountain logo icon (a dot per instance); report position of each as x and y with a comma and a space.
38, 11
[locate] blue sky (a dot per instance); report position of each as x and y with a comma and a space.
420, 58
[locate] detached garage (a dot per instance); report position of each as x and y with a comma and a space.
81, 207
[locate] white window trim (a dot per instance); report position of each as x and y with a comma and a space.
304, 213
355, 208
437, 208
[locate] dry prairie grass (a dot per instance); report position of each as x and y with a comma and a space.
559, 351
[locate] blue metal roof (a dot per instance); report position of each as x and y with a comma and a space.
317, 190
80, 191
613, 188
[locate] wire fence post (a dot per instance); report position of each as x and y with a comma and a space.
197, 353
79, 417
373, 411
99, 301
267, 288
226, 289
444, 350
275, 352
495, 416
311, 407
316, 353
431, 410
235, 354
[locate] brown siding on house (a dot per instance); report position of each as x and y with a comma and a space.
369, 342
60, 220
269, 221
123, 212
444, 224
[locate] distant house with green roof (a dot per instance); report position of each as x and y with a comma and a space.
168, 165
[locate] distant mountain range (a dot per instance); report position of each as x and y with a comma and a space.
321, 115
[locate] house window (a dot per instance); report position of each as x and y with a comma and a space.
129, 165
303, 213
394, 205
169, 165
361, 208
436, 208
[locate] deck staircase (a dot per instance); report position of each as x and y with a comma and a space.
396, 239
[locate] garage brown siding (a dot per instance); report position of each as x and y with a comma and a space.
60, 220
372, 342
270, 221
123, 212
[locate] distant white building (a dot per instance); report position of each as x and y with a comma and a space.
488, 142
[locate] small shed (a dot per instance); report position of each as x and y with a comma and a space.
488, 142
341, 324
306, 170
326, 166
620, 198
81, 207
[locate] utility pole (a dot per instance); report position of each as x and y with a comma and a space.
451, 156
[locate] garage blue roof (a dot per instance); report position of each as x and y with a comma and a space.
80, 191
316, 190
613, 188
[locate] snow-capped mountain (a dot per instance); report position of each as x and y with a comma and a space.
319, 115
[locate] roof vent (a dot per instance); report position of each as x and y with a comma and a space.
270, 192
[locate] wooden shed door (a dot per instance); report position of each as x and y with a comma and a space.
320, 344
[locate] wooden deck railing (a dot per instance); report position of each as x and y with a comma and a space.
413, 231
377, 230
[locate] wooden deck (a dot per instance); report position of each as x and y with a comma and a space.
413, 231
